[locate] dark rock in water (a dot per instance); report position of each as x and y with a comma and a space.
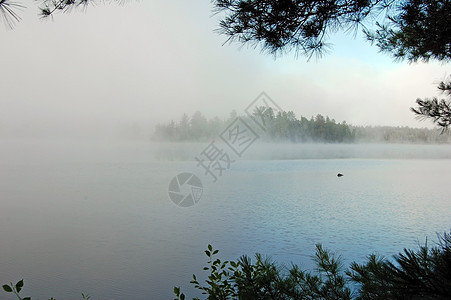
339, 175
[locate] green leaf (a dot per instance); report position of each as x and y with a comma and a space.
19, 286
85, 297
177, 291
26, 298
182, 297
208, 253
7, 288
210, 247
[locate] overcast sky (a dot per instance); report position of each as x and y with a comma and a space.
150, 61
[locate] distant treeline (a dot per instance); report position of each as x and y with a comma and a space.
391, 134
285, 127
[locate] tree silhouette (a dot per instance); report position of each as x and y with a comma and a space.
406, 29
420, 30
412, 29
437, 110
8, 12
47, 8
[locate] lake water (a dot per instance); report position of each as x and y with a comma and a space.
96, 218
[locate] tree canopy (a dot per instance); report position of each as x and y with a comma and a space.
409, 29
439, 110
413, 274
47, 8
286, 127
420, 30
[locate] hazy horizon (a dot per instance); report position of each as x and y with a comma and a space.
91, 204
122, 130
136, 65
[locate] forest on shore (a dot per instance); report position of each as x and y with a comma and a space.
286, 127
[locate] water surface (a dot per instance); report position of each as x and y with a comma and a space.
96, 218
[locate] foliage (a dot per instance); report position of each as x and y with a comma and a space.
437, 110
419, 30
8, 12
47, 8
412, 29
288, 25
412, 274
373, 277
398, 135
16, 288
219, 282
421, 274
425, 273
407, 29
264, 279
283, 126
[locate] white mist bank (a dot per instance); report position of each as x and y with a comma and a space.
348, 151
289, 151
54, 151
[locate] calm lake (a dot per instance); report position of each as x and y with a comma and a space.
96, 217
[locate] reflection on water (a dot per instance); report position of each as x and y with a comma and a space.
97, 218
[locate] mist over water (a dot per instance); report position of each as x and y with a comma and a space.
25, 151
84, 191
284, 151
93, 216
